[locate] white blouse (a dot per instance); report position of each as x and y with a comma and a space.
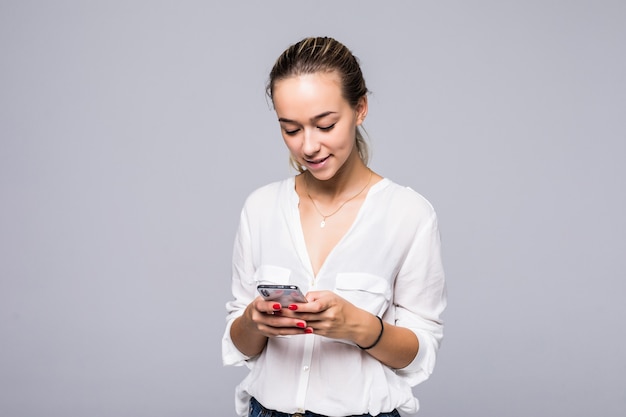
388, 263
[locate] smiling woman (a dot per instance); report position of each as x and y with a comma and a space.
318, 124
365, 250
321, 56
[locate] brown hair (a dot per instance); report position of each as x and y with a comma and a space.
323, 54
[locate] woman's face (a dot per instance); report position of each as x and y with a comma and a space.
317, 123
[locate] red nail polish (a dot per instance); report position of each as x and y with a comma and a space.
293, 307
276, 306
301, 324
308, 330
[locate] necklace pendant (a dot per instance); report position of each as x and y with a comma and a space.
322, 224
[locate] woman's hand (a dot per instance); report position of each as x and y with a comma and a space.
270, 319
332, 316
261, 320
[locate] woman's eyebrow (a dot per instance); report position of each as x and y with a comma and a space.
313, 119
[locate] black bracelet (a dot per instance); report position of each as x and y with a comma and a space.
382, 329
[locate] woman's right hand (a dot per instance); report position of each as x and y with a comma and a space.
270, 319
263, 319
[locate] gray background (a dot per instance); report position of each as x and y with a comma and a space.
132, 131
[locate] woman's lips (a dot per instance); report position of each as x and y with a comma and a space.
316, 162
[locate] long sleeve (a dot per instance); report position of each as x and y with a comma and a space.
420, 298
242, 290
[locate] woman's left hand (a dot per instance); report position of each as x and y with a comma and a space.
332, 316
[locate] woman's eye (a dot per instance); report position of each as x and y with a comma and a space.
291, 132
326, 128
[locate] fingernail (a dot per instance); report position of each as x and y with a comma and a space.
308, 330
301, 324
276, 306
293, 307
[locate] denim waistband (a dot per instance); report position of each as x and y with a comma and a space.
257, 410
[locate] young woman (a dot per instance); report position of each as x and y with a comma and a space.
365, 250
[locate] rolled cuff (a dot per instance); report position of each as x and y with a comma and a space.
423, 364
231, 356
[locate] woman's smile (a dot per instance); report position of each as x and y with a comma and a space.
316, 163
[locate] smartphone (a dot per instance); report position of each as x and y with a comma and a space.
284, 294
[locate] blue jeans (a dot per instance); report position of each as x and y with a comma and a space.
257, 410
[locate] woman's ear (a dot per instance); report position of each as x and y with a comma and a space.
361, 110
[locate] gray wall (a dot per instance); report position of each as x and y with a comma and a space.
131, 132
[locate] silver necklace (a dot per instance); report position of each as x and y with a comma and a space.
325, 216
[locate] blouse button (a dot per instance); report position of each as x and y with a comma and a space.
305, 368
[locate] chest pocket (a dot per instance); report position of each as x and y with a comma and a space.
366, 291
270, 274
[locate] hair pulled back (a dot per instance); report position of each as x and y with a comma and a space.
323, 54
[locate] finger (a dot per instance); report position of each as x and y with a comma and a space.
271, 308
274, 313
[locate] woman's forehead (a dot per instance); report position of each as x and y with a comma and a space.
310, 93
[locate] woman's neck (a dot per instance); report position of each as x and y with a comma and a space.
349, 179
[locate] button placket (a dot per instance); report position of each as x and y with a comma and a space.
303, 382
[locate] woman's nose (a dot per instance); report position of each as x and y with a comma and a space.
310, 144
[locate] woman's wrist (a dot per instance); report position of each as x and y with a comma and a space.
372, 334
380, 335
